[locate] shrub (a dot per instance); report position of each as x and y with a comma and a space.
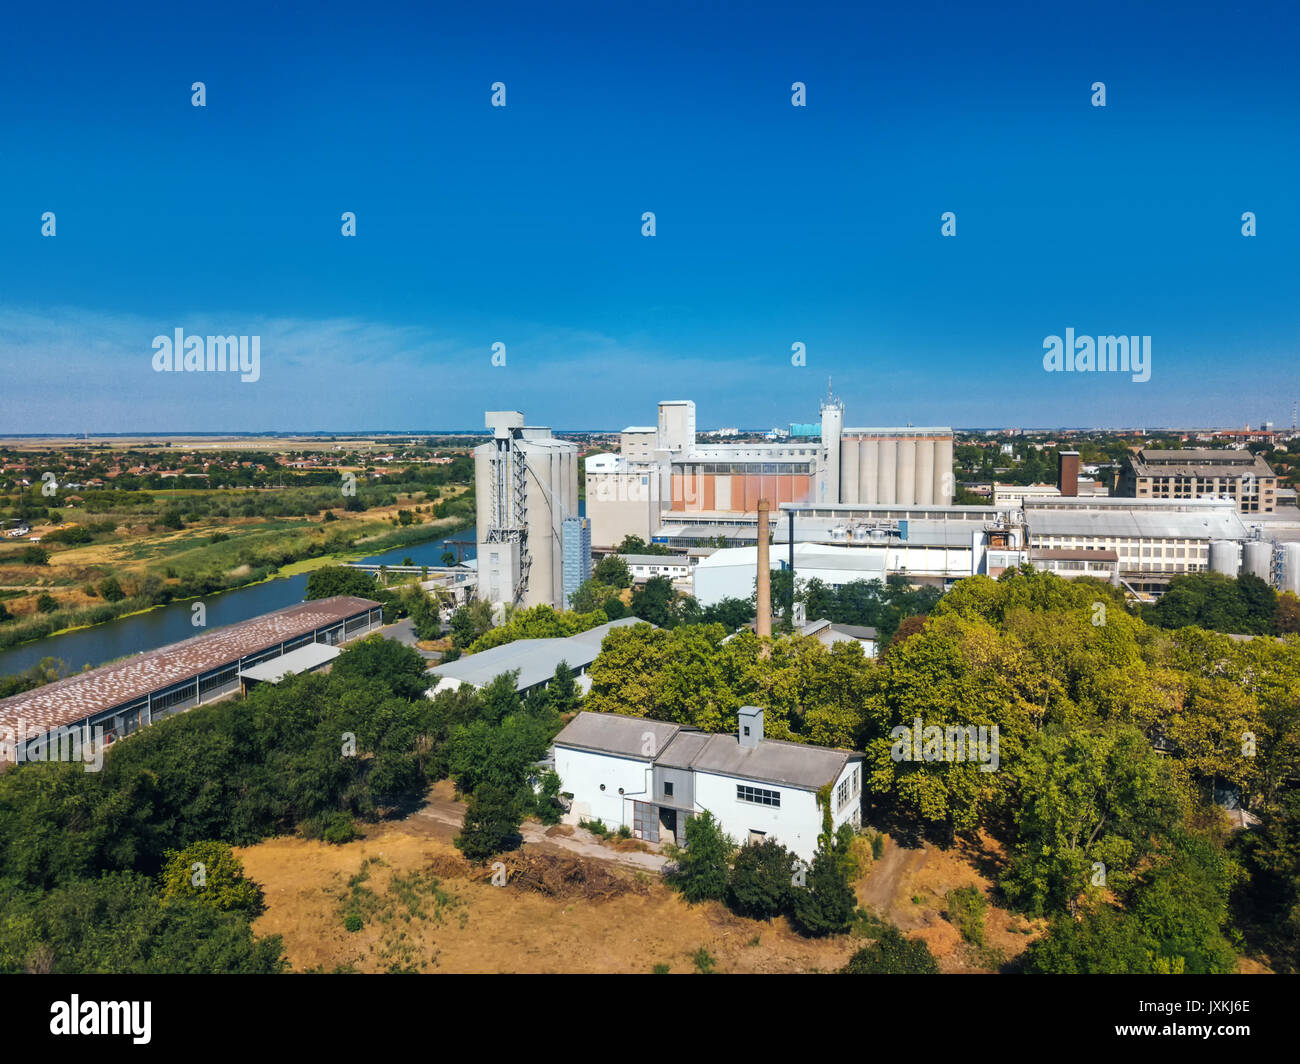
892, 954
965, 911
704, 961
703, 866
111, 590
46, 603
491, 824
353, 922
826, 906
761, 886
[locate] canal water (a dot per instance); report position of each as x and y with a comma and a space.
172, 623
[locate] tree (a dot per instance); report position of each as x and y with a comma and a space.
703, 869
210, 873
636, 545
111, 590
400, 668
46, 603
1104, 941
761, 884
491, 823
827, 904
334, 580
563, 692
656, 602
612, 571
892, 954
613, 608
35, 556
172, 518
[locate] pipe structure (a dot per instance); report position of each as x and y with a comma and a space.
791, 613
763, 598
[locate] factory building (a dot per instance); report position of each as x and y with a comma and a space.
127, 695
1239, 475
1152, 539
526, 485
1137, 544
643, 488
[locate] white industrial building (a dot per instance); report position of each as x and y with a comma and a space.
664, 471
653, 776
526, 485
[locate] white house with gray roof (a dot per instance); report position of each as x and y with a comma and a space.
653, 776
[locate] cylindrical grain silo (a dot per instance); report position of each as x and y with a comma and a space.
1257, 558
868, 471
925, 472
848, 470
905, 478
1224, 557
1291, 567
887, 491
944, 484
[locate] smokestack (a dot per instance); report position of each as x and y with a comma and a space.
1067, 473
763, 604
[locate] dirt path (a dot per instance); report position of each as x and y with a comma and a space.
447, 814
884, 886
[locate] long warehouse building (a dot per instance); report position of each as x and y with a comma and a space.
127, 695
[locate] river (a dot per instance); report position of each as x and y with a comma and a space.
172, 623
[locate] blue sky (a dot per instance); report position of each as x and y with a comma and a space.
522, 224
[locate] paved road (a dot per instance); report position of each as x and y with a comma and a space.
404, 632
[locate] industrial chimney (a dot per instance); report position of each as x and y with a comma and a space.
1067, 473
763, 603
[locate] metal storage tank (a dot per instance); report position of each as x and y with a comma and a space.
943, 478
1257, 558
1291, 567
849, 470
1224, 557
905, 481
925, 472
869, 471
887, 492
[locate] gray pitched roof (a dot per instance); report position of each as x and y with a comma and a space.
798, 765
772, 761
609, 733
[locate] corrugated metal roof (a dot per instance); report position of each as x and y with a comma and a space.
536, 659
304, 659
1218, 523
77, 697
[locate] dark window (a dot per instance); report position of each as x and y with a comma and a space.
758, 795
668, 789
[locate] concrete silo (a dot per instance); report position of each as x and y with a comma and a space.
925, 472
849, 484
868, 471
526, 484
887, 488
944, 484
905, 478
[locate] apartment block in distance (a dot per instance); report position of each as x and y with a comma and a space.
1196, 474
